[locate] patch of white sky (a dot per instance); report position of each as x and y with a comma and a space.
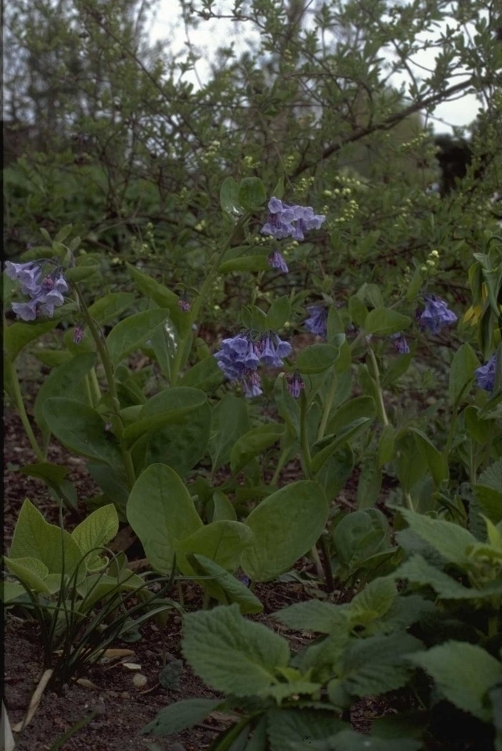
167, 26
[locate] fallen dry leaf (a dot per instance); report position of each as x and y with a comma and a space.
131, 665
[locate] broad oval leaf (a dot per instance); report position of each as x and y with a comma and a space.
317, 358
253, 443
384, 321
168, 406
132, 332
161, 511
222, 542
285, 525
81, 429
223, 586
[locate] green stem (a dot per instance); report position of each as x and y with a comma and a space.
19, 404
304, 441
318, 565
88, 392
383, 413
280, 465
95, 386
326, 562
327, 406
408, 502
112, 387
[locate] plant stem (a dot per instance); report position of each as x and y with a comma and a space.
318, 565
304, 441
327, 406
112, 387
383, 413
408, 502
95, 386
326, 562
19, 404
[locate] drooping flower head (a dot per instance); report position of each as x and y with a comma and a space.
45, 293
276, 261
400, 343
290, 221
240, 356
317, 322
295, 384
78, 333
436, 315
485, 375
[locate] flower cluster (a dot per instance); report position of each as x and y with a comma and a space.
317, 322
45, 293
436, 314
290, 221
485, 375
240, 356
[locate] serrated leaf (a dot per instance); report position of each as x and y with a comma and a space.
447, 538
314, 615
231, 654
349, 740
418, 571
288, 728
463, 672
377, 664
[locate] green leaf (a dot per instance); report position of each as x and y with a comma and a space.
54, 476
462, 369
95, 531
245, 263
179, 716
438, 465
418, 571
229, 197
349, 740
463, 672
317, 358
252, 193
253, 443
63, 380
279, 312
31, 571
229, 421
357, 310
53, 358
223, 508
374, 601
231, 654
204, 375
361, 534
111, 306
161, 511
18, 335
221, 542
79, 273
336, 471
285, 525
396, 368
384, 321
370, 482
314, 615
162, 297
354, 409
292, 730
36, 538
386, 444
175, 405
335, 442
378, 664
222, 586
81, 429
181, 444
447, 538
129, 334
